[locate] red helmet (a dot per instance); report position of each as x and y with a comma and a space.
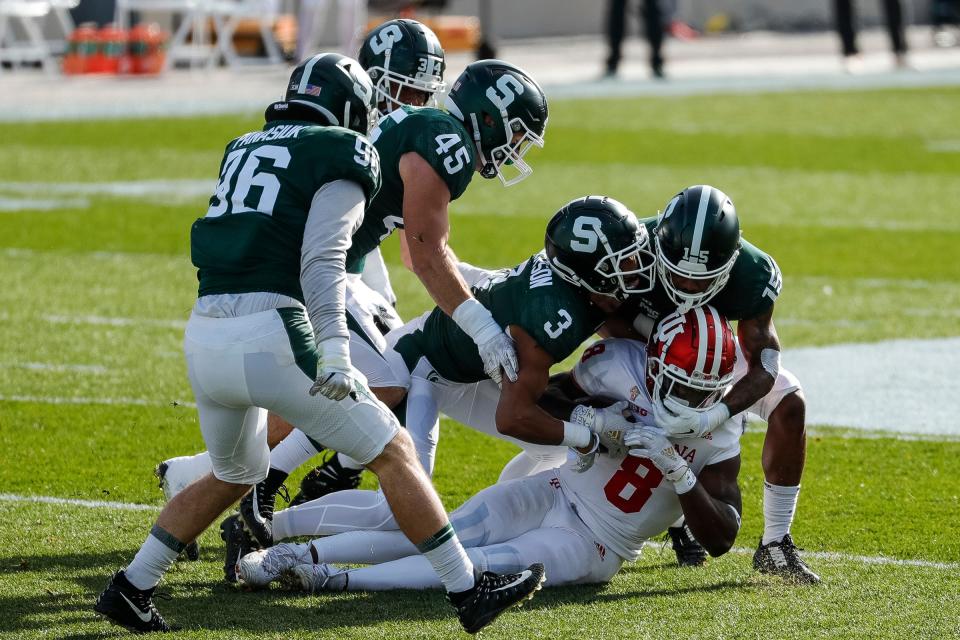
690, 357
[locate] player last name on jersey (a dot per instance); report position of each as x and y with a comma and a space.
282, 132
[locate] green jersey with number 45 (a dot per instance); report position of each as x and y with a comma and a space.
753, 287
557, 315
251, 236
434, 135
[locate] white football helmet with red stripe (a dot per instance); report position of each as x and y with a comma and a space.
690, 358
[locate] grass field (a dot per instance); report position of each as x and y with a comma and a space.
854, 194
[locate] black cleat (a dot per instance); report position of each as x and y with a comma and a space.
783, 559
123, 604
690, 553
492, 594
256, 511
238, 543
329, 477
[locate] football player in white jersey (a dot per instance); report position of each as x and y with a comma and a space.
584, 519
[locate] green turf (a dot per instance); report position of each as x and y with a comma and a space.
847, 190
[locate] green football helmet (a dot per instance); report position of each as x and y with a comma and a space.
403, 53
335, 87
697, 238
597, 244
506, 112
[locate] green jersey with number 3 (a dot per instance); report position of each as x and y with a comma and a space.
434, 135
557, 315
251, 236
753, 287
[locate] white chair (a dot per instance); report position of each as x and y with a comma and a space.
227, 15
29, 16
193, 22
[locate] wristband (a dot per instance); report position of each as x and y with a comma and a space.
335, 354
476, 321
685, 483
576, 435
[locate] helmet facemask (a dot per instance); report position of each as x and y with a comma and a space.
627, 272
510, 154
698, 391
390, 84
685, 300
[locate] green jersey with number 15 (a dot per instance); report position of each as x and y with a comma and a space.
251, 236
434, 135
557, 315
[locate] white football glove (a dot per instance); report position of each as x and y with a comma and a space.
609, 424
334, 375
680, 421
495, 347
651, 443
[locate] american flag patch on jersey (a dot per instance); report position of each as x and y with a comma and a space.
312, 90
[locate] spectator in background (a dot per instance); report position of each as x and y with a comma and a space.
654, 21
848, 33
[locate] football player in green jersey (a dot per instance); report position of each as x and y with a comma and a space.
268, 332
701, 257
496, 113
596, 255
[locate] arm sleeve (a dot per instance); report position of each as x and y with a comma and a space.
471, 274
376, 276
335, 212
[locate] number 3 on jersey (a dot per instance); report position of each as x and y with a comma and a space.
455, 162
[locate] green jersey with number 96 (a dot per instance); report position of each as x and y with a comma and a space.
251, 236
557, 315
434, 135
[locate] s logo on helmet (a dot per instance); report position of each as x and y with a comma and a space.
507, 89
586, 241
386, 39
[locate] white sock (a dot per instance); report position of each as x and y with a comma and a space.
292, 452
348, 463
779, 505
155, 557
184, 470
449, 559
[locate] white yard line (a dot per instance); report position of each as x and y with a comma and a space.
138, 402
57, 367
180, 188
820, 555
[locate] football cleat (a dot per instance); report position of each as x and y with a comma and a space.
316, 577
492, 594
259, 568
123, 604
256, 511
783, 559
237, 542
172, 486
329, 477
690, 553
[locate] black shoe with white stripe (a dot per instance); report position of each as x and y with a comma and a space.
237, 543
690, 553
492, 594
123, 604
782, 558
256, 510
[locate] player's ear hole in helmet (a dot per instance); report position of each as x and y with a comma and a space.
328, 89
690, 358
596, 243
697, 241
406, 63
505, 111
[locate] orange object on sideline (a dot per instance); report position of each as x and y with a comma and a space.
147, 53
81, 48
111, 47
